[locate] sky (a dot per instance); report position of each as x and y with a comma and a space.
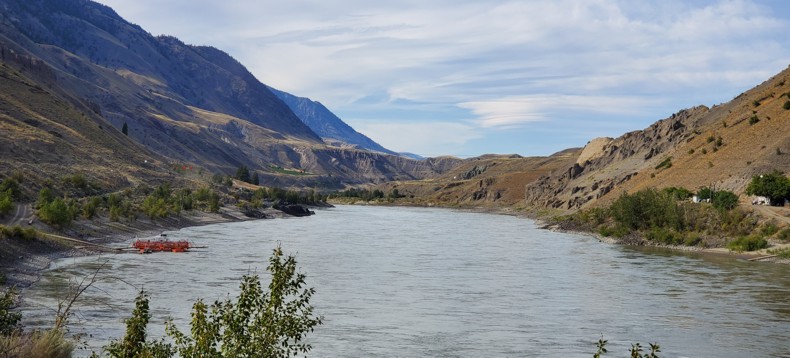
465, 78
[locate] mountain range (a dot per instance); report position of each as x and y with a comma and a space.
77, 75
84, 91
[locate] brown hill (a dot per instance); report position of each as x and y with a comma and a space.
490, 181
723, 146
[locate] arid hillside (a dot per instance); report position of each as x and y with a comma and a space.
490, 181
176, 104
722, 147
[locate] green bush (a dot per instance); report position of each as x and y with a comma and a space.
753, 120
56, 212
692, 239
769, 229
665, 164
784, 235
6, 202
648, 208
9, 320
786, 105
618, 231
260, 323
748, 243
18, 232
664, 236
724, 200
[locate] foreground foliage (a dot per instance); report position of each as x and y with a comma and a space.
271, 323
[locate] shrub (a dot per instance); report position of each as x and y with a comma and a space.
618, 231
666, 163
786, 105
753, 120
18, 232
724, 200
692, 239
6, 202
769, 229
40, 344
260, 323
784, 235
647, 209
678, 192
56, 213
11, 184
9, 320
664, 236
748, 243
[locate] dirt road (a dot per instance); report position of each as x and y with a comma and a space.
22, 214
780, 214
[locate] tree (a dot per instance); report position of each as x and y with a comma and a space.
259, 323
255, 180
243, 174
134, 343
56, 212
9, 320
125, 129
775, 186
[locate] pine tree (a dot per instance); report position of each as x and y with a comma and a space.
125, 129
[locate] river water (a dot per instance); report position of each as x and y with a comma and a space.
413, 282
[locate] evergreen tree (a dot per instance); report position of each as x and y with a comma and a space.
255, 179
125, 129
243, 174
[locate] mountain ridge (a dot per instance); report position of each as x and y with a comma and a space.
179, 103
326, 124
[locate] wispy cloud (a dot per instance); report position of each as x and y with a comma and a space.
510, 112
507, 62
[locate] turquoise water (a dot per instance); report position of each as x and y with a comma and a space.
409, 282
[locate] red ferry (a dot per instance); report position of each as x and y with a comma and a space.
161, 244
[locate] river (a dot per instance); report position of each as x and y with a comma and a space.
421, 282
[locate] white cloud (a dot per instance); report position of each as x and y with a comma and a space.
510, 112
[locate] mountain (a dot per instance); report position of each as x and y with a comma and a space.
722, 146
181, 104
326, 124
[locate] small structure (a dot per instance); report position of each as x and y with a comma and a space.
761, 200
161, 244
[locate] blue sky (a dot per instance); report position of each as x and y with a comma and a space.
472, 77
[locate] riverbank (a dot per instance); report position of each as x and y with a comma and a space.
762, 255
